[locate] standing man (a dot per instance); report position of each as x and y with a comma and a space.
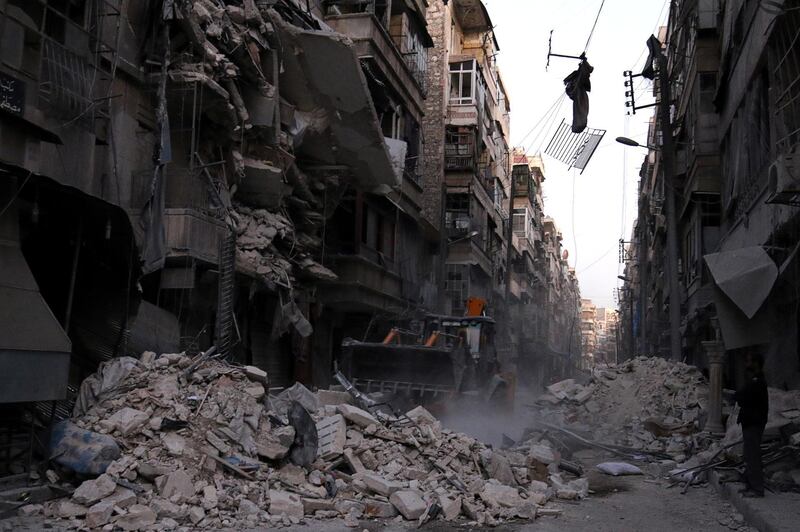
753, 399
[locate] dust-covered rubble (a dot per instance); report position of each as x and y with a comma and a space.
199, 447
654, 410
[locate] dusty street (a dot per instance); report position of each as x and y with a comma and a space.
616, 505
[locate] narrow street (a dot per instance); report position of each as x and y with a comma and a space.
399, 264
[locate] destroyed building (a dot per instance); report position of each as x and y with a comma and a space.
258, 176
735, 129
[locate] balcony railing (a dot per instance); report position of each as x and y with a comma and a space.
459, 162
413, 169
418, 68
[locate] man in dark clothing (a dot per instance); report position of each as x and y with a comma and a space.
753, 399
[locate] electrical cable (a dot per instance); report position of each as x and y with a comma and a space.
591, 33
523, 139
14, 197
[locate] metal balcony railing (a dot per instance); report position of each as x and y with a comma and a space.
419, 70
458, 162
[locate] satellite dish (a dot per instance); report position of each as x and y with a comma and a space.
565, 255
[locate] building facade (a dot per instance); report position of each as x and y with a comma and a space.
734, 122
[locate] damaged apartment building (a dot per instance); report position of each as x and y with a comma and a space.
736, 127
265, 177
175, 175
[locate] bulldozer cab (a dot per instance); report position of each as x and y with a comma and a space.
433, 357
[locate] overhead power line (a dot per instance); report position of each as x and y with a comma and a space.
591, 33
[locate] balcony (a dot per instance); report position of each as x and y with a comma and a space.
372, 41
459, 163
363, 285
417, 65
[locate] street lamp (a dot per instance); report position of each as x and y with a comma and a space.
623, 278
470, 236
630, 142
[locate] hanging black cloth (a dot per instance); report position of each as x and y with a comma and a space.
577, 86
654, 48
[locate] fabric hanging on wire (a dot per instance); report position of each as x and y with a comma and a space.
654, 49
578, 86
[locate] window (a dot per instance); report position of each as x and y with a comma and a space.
457, 218
462, 82
785, 65
377, 231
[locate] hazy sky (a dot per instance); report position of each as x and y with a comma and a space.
605, 196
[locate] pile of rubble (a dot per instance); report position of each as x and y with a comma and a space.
172, 441
645, 404
654, 410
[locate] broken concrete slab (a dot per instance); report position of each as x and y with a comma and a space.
99, 514
496, 495
138, 517
334, 397
380, 485
176, 484
255, 374
285, 503
91, 491
355, 415
409, 503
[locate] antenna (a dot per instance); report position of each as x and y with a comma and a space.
550, 53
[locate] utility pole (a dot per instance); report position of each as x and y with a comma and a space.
510, 236
672, 215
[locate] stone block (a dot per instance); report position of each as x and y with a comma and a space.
176, 483
173, 443
380, 485
91, 491
138, 517
334, 398
354, 461
256, 374
196, 514
332, 434
210, 498
69, 509
451, 507
128, 420
122, 497
378, 509
409, 503
357, 416
496, 495
317, 505
165, 508
256, 390
285, 503
99, 514
247, 507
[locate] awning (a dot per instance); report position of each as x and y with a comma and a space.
31, 339
745, 275
744, 278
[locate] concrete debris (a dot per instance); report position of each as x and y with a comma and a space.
229, 465
649, 405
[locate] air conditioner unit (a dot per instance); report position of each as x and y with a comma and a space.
783, 180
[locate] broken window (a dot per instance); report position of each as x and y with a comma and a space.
457, 284
377, 231
457, 217
462, 82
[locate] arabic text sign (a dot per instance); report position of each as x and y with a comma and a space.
12, 94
